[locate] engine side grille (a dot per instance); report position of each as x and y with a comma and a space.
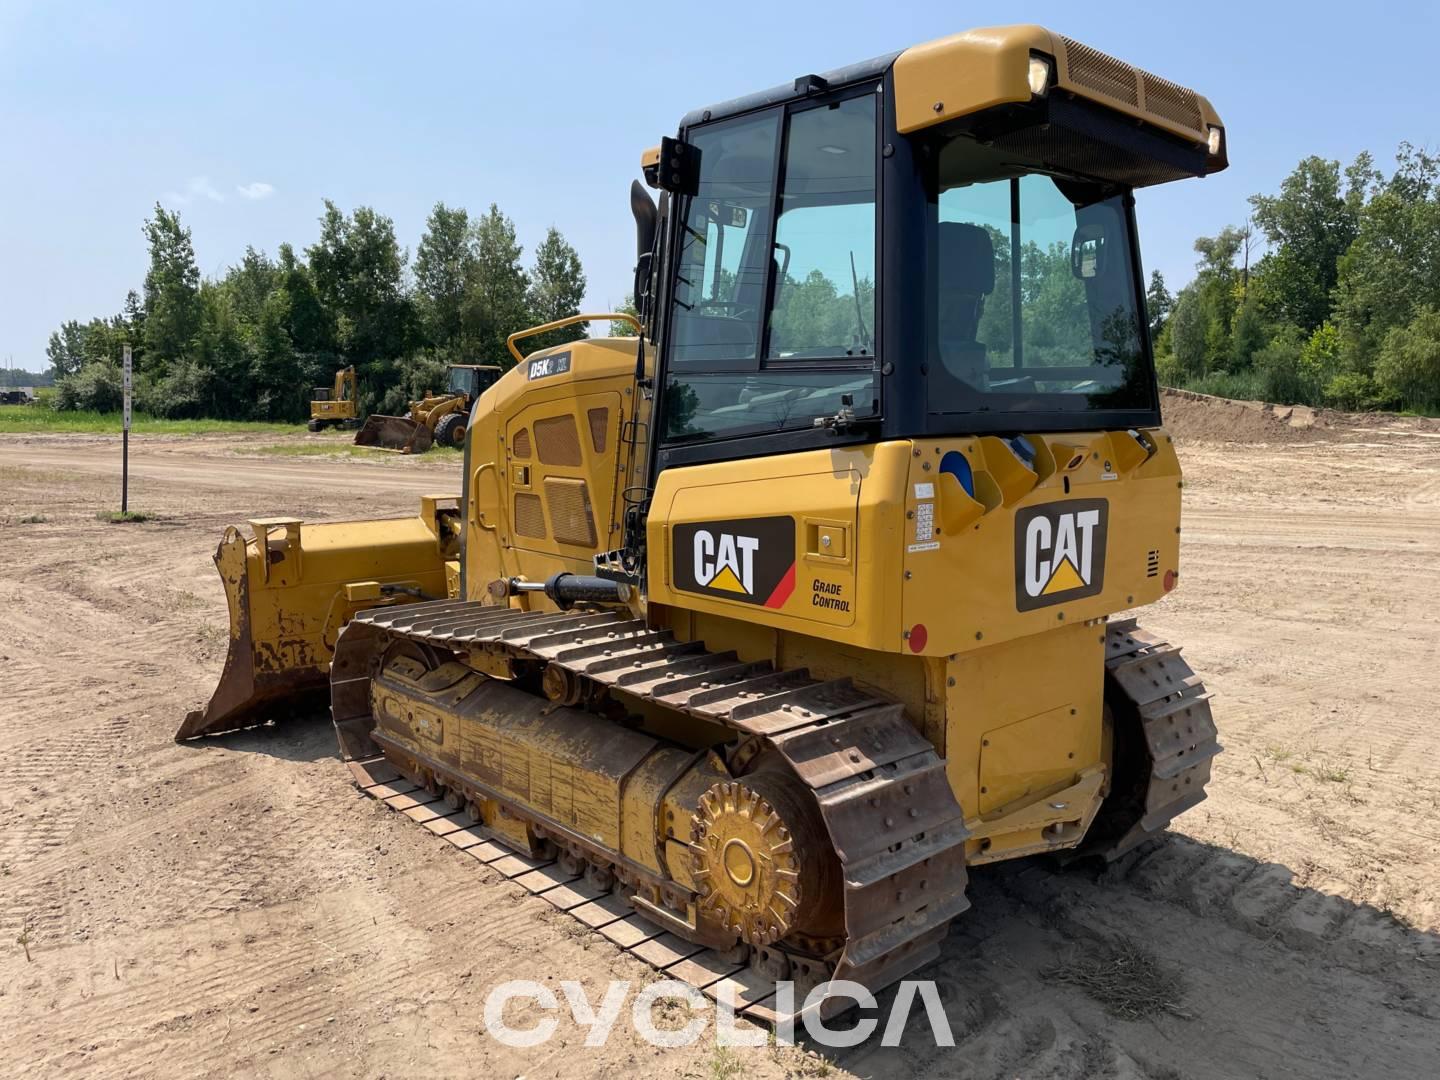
529, 515
599, 428
557, 441
520, 447
570, 511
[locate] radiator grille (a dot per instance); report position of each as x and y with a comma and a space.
599, 426
1164, 98
1152, 564
1104, 74
529, 515
521, 445
557, 441
570, 510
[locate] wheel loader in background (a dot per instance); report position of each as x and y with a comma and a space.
779, 615
435, 418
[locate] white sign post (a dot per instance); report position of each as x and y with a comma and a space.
125, 441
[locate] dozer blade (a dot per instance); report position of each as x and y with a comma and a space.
398, 433
292, 587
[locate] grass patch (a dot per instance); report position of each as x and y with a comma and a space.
326, 449
41, 419
346, 450
725, 1064
118, 517
1125, 978
1331, 773
1240, 385
33, 519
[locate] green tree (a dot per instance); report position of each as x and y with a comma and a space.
66, 351
557, 289
1187, 328
220, 350
276, 367
1310, 223
358, 269
251, 284
624, 329
1408, 368
445, 270
1216, 292
173, 310
1278, 364
1247, 335
497, 302
310, 324
1393, 267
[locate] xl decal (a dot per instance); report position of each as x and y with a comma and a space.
750, 559
1059, 552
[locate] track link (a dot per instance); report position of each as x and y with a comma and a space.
880, 786
1165, 740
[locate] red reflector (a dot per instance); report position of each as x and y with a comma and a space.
918, 637
1170, 577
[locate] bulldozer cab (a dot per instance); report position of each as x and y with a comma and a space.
873, 253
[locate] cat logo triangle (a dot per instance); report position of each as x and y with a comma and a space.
1064, 578
727, 580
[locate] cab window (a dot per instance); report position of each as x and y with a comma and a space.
774, 320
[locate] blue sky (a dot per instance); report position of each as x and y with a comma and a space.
244, 116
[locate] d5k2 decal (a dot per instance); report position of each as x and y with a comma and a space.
1059, 552
750, 559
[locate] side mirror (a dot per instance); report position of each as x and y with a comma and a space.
1087, 252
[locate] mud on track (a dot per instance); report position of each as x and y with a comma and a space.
237, 906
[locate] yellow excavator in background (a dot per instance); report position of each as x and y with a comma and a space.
434, 418
777, 616
337, 407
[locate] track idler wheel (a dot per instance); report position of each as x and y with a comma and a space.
762, 860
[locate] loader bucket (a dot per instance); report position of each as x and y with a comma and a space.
395, 433
291, 588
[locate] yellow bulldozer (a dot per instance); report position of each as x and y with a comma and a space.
435, 417
775, 617
336, 406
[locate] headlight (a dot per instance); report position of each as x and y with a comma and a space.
1217, 140
1039, 75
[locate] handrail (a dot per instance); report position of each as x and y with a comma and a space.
619, 316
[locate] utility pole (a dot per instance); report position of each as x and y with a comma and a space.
125, 441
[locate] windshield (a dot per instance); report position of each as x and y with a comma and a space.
461, 380
1032, 282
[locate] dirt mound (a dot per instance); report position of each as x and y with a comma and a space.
1193, 417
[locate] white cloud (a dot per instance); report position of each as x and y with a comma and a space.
198, 187
257, 189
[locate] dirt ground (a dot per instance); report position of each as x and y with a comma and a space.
234, 906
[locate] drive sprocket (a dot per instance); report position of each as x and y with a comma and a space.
744, 858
